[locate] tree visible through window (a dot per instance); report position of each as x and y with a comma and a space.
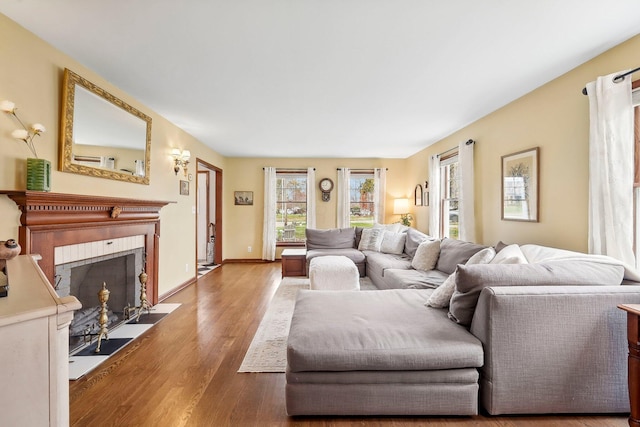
291, 206
361, 206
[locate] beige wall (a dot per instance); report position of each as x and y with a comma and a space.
31, 76
555, 118
243, 224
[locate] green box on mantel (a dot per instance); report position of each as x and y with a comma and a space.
38, 174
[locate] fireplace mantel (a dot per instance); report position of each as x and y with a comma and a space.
55, 219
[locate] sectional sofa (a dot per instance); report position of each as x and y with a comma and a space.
510, 329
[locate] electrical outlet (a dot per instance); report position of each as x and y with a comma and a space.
249, 249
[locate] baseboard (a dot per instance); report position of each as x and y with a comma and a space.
176, 289
238, 260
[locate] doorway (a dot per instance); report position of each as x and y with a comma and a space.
208, 217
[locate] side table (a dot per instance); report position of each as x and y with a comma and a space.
633, 336
294, 262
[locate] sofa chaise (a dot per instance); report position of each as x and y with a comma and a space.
536, 331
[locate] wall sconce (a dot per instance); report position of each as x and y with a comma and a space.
401, 207
181, 160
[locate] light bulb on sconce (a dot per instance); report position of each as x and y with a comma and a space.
180, 160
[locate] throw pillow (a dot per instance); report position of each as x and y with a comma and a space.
472, 279
442, 295
392, 243
426, 256
414, 238
394, 228
371, 239
511, 254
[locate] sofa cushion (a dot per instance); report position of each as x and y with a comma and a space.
426, 255
471, 279
413, 240
454, 252
371, 239
388, 330
353, 254
415, 279
334, 238
392, 243
383, 262
441, 297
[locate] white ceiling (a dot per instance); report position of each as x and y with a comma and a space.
327, 78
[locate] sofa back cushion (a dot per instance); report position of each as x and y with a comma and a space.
333, 238
413, 240
454, 252
471, 279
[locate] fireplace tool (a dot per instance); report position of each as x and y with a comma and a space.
103, 296
144, 303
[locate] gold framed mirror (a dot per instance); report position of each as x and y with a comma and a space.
101, 135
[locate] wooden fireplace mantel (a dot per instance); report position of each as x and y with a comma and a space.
49, 220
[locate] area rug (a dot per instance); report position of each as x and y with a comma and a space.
85, 360
268, 350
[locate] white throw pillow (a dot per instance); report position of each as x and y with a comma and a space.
394, 228
393, 243
371, 239
426, 256
441, 296
508, 252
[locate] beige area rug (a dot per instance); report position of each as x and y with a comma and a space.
268, 350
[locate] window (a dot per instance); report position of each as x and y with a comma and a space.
450, 196
361, 195
291, 206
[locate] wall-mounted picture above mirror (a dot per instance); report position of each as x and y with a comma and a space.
102, 135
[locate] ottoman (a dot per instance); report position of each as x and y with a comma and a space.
335, 273
379, 353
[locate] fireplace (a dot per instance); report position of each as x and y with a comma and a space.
58, 226
81, 269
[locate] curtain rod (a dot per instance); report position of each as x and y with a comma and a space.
361, 170
616, 79
291, 169
450, 150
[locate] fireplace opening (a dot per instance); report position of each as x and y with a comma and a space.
83, 279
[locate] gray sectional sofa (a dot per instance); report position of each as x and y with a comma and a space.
536, 332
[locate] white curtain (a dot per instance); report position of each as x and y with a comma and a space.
311, 198
611, 167
467, 223
379, 195
434, 196
344, 212
269, 221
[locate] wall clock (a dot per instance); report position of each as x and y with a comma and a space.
326, 185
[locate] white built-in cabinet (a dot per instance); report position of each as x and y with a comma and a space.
34, 348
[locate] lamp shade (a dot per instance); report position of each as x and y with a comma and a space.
186, 155
175, 153
400, 206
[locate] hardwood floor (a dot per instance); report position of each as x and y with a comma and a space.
183, 371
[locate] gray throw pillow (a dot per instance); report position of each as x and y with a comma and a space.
454, 252
471, 279
333, 238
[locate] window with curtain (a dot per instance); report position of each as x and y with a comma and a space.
635, 97
450, 196
361, 199
291, 207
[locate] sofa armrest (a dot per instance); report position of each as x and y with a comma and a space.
553, 349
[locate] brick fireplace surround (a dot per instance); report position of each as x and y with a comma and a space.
49, 220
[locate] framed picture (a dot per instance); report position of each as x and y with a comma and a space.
243, 197
520, 189
417, 195
184, 188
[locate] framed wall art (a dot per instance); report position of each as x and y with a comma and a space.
520, 186
184, 188
417, 195
244, 198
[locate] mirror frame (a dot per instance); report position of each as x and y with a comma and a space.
71, 80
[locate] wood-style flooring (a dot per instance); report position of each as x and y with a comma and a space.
183, 371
